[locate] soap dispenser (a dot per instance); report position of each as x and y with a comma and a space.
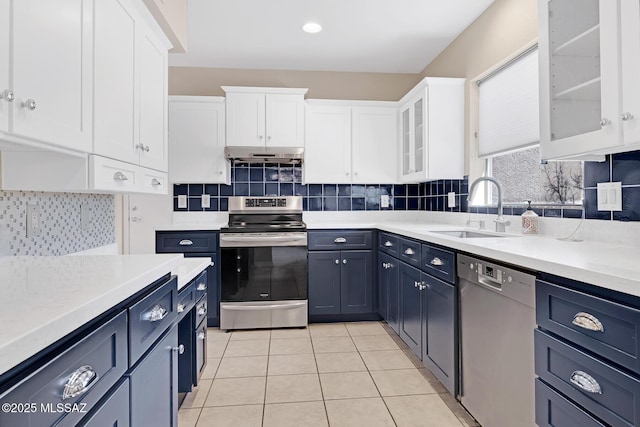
529, 220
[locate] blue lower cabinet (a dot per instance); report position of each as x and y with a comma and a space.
324, 282
439, 349
186, 360
388, 290
411, 301
154, 384
553, 409
356, 289
113, 410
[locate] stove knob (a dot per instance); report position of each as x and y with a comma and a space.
239, 257
239, 270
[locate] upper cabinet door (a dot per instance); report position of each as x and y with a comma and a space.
327, 144
52, 70
630, 38
374, 148
579, 46
153, 104
6, 94
245, 119
196, 125
115, 103
284, 120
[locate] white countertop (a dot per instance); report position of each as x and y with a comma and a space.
45, 298
189, 269
209, 226
606, 265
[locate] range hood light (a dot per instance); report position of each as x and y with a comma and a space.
259, 154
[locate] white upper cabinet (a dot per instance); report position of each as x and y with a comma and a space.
273, 117
196, 140
373, 145
431, 119
6, 94
51, 69
630, 57
350, 142
327, 150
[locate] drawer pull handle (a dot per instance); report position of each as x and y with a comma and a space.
436, 261
585, 382
179, 349
202, 287
185, 242
156, 314
409, 251
340, 240
388, 244
80, 382
201, 335
587, 321
180, 308
202, 310
119, 176
154, 182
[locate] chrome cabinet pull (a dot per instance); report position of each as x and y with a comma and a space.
155, 182
605, 122
201, 287
436, 261
626, 117
585, 382
156, 314
388, 244
337, 261
201, 335
344, 261
7, 95
140, 146
119, 176
340, 240
180, 308
179, 349
416, 284
202, 310
587, 321
409, 251
146, 148
30, 104
80, 381
185, 242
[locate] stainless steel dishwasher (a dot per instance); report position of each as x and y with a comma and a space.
497, 319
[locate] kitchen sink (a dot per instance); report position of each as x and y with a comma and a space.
469, 234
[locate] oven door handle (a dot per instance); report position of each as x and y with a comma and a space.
237, 241
262, 307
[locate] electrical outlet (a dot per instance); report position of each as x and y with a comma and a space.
34, 226
609, 196
384, 201
205, 201
85, 216
182, 202
451, 199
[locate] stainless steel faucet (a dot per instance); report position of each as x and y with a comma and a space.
500, 222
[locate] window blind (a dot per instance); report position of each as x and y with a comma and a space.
508, 106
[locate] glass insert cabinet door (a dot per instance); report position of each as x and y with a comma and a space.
412, 118
579, 81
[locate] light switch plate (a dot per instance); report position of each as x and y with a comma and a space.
182, 202
206, 201
451, 199
384, 201
609, 196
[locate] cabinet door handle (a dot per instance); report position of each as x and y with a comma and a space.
436, 261
416, 284
7, 95
409, 251
585, 382
626, 117
201, 287
337, 261
344, 261
587, 321
202, 310
119, 176
388, 244
179, 349
80, 381
156, 314
180, 308
604, 122
29, 104
185, 242
339, 240
201, 335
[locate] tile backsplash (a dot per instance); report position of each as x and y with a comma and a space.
62, 230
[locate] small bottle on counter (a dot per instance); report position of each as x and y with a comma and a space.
529, 220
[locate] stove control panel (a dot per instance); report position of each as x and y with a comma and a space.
265, 203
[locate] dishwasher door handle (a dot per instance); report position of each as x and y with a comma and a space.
489, 284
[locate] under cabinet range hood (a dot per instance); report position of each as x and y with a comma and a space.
257, 154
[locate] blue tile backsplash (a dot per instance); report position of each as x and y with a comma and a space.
286, 180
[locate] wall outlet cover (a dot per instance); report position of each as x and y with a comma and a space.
182, 202
384, 201
206, 201
609, 196
451, 199
34, 226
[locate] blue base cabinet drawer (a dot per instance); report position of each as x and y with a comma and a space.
439, 263
605, 327
388, 243
340, 239
186, 300
410, 252
113, 410
554, 410
609, 393
150, 317
186, 241
101, 356
201, 284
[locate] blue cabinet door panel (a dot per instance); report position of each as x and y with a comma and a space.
356, 295
324, 282
113, 410
553, 409
411, 313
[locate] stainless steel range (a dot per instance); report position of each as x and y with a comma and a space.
264, 264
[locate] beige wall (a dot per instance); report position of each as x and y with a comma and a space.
321, 84
503, 29
171, 15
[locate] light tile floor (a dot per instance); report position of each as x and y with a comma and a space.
338, 374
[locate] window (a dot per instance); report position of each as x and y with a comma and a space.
508, 138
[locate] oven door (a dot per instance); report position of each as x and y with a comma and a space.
265, 267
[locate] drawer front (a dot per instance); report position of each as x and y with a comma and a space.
338, 240
114, 411
569, 313
439, 263
186, 241
153, 181
102, 355
113, 175
610, 394
200, 355
150, 317
186, 300
388, 243
200, 284
410, 251
201, 310
553, 409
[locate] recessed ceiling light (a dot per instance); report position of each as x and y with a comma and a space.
311, 27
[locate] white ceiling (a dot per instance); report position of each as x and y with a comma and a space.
390, 36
